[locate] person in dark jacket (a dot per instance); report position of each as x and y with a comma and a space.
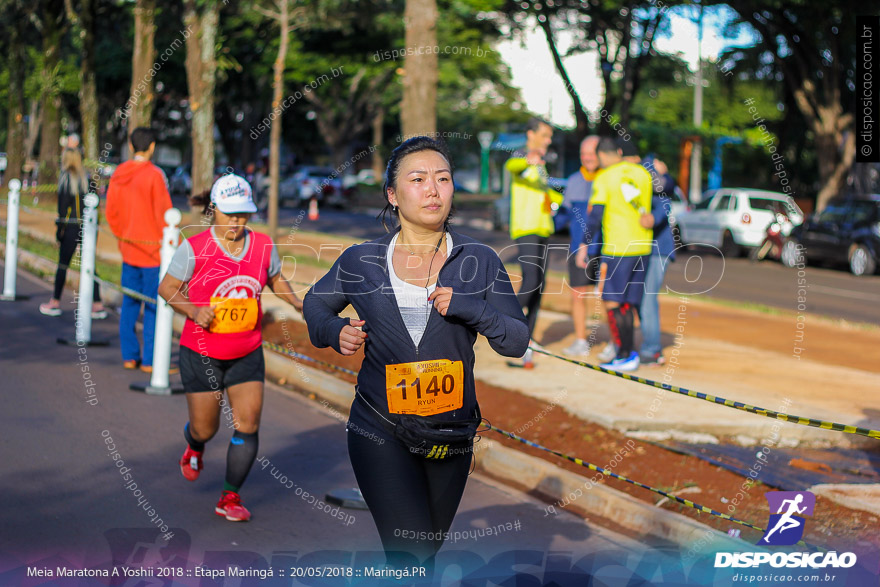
73, 186
651, 352
422, 294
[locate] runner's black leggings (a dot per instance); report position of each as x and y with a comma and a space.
412, 499
69, 242
533, 260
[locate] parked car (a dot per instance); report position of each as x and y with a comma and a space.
180, 182
846, 231
310, 181
734, 218
501, 206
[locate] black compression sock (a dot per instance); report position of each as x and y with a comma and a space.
193, 443
240, 456
627, 333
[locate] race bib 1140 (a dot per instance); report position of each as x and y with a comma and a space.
425, 388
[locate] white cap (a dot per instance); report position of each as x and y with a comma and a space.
232, 194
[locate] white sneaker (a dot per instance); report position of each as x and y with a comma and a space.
578, 348
609, 353
527, 360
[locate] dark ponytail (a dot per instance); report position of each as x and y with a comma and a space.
408, 147
203, 199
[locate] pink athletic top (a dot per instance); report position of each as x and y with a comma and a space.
227, 284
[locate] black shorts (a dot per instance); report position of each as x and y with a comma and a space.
203, 373
578, 277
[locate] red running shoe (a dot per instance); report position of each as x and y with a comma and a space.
191, 463
230, 507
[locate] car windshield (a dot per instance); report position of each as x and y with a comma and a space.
703, 204
771, 205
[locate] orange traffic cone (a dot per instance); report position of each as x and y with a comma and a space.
313, 209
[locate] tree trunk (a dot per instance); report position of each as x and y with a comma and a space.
88, 91
378, 127
143, 58
833, 164
50, 132
201, 68
15, 121
418, 110
275, 131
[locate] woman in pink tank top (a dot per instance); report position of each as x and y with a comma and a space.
216, 279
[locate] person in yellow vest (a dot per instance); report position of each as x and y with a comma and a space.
531, 218
621, 197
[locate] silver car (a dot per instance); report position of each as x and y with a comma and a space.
734, 218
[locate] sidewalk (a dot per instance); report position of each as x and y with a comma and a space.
771, 378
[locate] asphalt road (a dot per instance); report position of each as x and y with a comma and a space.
831, 292
66, 504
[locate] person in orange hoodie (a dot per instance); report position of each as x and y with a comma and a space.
136, 203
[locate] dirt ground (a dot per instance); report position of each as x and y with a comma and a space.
831, 525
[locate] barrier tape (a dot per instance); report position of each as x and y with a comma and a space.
606, 472
724, 402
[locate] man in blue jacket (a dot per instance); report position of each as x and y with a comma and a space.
651, 352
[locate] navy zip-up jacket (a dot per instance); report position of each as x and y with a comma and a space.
482, 302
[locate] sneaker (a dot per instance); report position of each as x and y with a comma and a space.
655, 359
528, 360
172, 369
130, 364
191, 463
578, 348
50, 309
230, 507
98, 312
630, 363
608, 353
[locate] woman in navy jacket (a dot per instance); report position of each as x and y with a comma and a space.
422, 294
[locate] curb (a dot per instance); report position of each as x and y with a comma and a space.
508, 465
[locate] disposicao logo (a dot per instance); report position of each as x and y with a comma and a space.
786, 527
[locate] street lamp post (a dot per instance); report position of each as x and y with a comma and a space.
696, 172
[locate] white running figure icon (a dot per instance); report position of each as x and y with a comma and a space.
785, 522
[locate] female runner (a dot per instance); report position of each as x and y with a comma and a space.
215, 279
423, 293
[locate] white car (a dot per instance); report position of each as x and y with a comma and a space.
734, 218
310, 181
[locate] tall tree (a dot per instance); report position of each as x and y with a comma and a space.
82, 23
811, 46
418, 110
143, 57
284, 13
201, 18
52, 25
15, 130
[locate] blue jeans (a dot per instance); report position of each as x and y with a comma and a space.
144, 280
649, 311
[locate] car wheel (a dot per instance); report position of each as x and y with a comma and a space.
860, 260
729, 248
792, 253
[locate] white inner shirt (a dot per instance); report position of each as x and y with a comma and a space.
412, 299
